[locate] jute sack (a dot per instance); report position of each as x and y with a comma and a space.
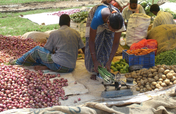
137, 28
37, 36
165, 36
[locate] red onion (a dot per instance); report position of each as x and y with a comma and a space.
25, 88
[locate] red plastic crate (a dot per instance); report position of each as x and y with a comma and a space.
146, 60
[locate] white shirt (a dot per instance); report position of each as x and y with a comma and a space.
163, 18
127, 12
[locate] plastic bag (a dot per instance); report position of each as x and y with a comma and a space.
150, 44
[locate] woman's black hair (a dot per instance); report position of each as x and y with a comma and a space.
154, 7
115, 19
133, 1
64, 20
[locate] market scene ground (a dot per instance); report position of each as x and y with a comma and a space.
142, 77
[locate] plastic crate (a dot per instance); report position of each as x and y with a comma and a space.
146, 60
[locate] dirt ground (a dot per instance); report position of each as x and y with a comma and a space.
46, 5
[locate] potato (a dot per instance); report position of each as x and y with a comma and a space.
175, 69
160, 75
158, 66
149, 88
155, 67
145, 80
153, 70
127, 75
153, 87
157, 85
168, 67
166, 71
145, 75
139, 84
135, 76
155, 73
147, 83
137, 89
153, 80
156, 78
154, 83
174, 74
174, 82
173, 78
163, 85
160, 79
138, 74
163, 65
167, 81
141, 90
163, 77
171, 83
156, 88
144, 89
142, 82
141, 87
172, 71
150, 75
138, 79
150, 80
161, 70
169, 75
171, 67
160, 82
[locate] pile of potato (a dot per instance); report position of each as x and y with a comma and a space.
154, 78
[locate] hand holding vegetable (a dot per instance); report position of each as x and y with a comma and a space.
108, 66
96, 64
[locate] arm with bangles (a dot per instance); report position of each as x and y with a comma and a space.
115, 46
104, 13
92, 49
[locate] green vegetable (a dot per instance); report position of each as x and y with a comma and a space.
167, 58
107, 76
79, 16
120, 65
172, 12
146, 5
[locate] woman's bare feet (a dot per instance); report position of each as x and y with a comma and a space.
39, 67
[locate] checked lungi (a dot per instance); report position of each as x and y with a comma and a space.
41, 56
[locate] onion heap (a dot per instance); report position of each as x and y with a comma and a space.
15, 47
22, 88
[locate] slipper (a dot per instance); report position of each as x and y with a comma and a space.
12, 61
93, 77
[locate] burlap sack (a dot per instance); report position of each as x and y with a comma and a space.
163, 104
50, 31
37, 36
165, 36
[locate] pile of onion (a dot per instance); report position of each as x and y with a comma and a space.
22, 88
15, 47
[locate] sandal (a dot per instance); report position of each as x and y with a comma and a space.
12, 61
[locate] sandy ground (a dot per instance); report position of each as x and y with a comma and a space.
46, 5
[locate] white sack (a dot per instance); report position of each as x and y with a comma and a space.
137, 28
